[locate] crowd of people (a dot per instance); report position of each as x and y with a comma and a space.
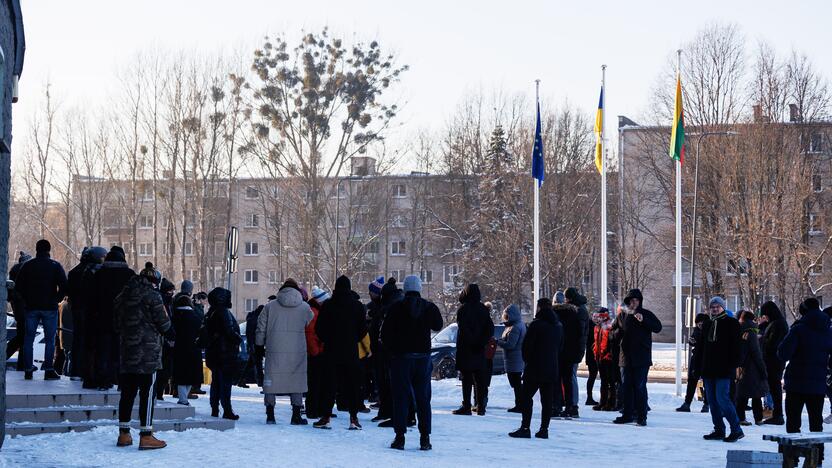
331, 351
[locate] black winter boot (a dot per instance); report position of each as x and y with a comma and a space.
398, 442
685, 408
270, 415
424, 442
297, 420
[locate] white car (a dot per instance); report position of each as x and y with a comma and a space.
39, 349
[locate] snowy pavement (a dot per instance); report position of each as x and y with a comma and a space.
670, 440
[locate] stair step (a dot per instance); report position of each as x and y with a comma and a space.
179, 425
56, 414
93, 398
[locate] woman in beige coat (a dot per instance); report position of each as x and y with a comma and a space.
281, 339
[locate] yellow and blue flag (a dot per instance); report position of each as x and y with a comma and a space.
599, 130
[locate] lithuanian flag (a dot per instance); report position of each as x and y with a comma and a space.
677, 135
599, 134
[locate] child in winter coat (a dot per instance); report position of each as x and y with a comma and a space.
607, 367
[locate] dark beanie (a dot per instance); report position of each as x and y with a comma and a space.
43, 245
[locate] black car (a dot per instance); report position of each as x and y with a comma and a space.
443, 353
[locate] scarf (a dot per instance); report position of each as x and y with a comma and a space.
714, 323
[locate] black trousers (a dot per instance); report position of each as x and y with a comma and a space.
164, 374
343, 377
690, 391
105, 370
563, 387
221, 383
77, 356
515, 379
593, 368
130, 385
16, 344
775, 387
385, 395
741, 403
314, 383
546, 390
609, 384
480, 379
794, 409
634, 392
409, 381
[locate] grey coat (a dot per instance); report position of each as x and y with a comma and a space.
512, 340
281, 329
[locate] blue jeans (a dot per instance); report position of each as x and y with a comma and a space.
718, 392
49, 320
634, 391
574, 371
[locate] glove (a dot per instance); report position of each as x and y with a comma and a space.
260, 352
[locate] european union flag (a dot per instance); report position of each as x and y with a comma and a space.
538, 171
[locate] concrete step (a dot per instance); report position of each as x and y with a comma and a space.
56, 414
87, 398
179, 425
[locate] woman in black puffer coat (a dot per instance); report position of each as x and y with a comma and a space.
221, 340
475, 330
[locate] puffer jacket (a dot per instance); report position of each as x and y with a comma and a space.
281, 328
512, 340
140, 320
601, 347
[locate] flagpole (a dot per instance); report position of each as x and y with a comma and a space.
604, 284
678, 255
536, 292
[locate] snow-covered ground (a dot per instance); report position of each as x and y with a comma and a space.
670, 440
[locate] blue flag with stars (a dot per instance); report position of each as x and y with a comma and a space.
538, 171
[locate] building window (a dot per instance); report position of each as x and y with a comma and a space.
398, 248
814, 224
272, 277
426, 276
736, 266
341, 192
371, 248
252, 249
145, 221
398, 274
188, 248
451, 272
145, 249
817, 182
251, 277
251, 304
147, 194
816, 142
252, 193
219, 249
400, 191
398, 221
193, 276
190, 220
816, 269
253, 220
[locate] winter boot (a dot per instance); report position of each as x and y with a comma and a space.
424, 442
734, 436
148, 442
387, 423
51, 375
572, 412
590, 401
354, 424
715, 435
124, 438
297, 420
705, 409
398, 442
322, 423
515, 409
685, 408
270, 415
774, 421
230, 415
28, 375
215, 412
622, 420
522, 433
464, 410
542, 434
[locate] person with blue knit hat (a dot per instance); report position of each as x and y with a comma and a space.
405, 334
721, 303
319, 295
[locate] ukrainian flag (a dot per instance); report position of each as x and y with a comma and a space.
599, 134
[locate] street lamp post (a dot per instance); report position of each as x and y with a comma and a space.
338, 221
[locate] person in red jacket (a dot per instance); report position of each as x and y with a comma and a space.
607, 367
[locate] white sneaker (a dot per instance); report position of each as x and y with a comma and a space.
828, 419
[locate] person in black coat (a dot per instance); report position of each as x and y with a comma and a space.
340, 326
77, 291
695, 351
41, 284
574, 297
187, 357
806, 349
775, 330
221, 340
19, 311
634, 328
717, 366
405, 334
568, 317
475, 330
543, 343
254, 359
390, 295
163, 375
752, 381
102, 338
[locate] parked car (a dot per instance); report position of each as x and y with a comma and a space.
250, 377
443, 353
39, 348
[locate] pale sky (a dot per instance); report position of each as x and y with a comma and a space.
453, 47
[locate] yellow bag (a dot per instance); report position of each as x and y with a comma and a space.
364, 347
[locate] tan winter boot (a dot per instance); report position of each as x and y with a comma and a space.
148, 442
124, 439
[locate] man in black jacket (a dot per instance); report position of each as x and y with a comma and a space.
567, 315
341, 325
695, 342
634, 327
578, 300
541, 346
405, 334
718, 366
776, 330
41, 284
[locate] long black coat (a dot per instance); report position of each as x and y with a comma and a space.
752, 379
568, 317
635, 338
541, 347
187, 356
221, 335
341, 324
107, 283
720, 351
584, 324
475, 329
776, 330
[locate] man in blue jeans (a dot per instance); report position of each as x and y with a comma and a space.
41, 284
718, 366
